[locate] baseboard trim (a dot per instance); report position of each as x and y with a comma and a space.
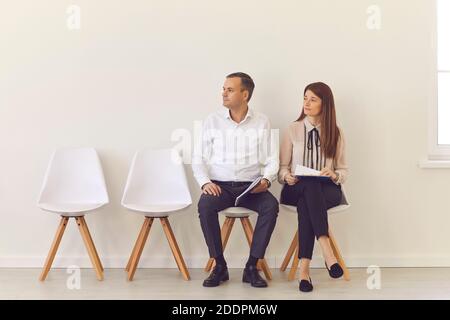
233, 262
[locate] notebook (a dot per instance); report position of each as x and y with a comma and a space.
250, 188
302, 171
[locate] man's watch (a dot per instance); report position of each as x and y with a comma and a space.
268, 182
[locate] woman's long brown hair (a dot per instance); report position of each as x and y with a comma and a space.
329, 132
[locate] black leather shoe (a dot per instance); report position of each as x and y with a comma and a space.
335, 270
218, 275
305, 285
251, 275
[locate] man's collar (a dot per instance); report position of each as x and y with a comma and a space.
227, 115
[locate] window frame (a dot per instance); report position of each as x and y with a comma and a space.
436, 152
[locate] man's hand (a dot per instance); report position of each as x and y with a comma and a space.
327, 172
262, 186
212, 189
290, 179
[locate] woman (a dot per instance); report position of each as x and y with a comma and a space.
314, 141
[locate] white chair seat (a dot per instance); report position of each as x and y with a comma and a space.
336, 209
339, 208
237, 212
344, 205
156, 210
70, 209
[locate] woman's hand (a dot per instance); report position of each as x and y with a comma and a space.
327, 172
290, 179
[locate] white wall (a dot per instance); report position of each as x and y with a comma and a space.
138, 70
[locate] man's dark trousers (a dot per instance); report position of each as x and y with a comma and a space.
265, 204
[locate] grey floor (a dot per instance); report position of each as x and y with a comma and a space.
396, 283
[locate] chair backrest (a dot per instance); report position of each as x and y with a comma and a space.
156, 182
74, 178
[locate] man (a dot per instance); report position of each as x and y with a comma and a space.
235, 150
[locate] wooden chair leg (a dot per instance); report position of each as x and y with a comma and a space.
90, 248
140, 247
338, 256
225, 235
248, 230
290, 252
83, 221
265, 268
135, 248
294, 266
54, 248
174, 247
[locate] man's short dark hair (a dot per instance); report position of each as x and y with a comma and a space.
246, 82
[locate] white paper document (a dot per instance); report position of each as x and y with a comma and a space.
302, 171
253, 185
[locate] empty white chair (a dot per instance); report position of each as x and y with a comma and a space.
231, 214
156, 188
73, 186
345, 204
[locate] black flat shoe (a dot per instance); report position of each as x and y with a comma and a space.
218, 275
305, 285
335, 270
251, 275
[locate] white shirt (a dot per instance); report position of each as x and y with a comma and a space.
240, 152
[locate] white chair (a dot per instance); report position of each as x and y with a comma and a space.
294, 244
231, 214
156, 188
73, 185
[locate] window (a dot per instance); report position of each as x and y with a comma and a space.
443, 50
439, 104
